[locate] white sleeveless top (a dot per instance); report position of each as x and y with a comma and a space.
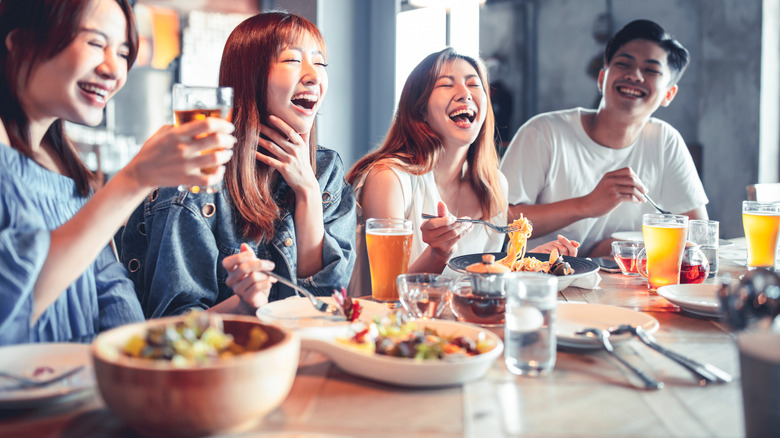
420, 196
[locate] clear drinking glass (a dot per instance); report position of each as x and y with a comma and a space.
706, 234
389, 246
424, 296
530, 326
197, 103
761, 221
664, 236
626, 254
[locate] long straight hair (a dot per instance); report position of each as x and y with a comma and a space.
43, 29
412, 142
250, 51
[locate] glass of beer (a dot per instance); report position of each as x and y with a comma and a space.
761, 221
196, 103
389, 245
664, 236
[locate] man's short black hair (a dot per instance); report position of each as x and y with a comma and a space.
677, 56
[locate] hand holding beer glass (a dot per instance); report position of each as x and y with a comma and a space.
761, 221
198, 103
389, 245
664, 236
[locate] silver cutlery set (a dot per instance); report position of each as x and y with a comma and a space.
706, 373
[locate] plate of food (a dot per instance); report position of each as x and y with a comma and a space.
582, 267
572, 317
420, 353
297, 313
41, 361
699, 299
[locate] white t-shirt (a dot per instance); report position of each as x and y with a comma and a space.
552, 158
420, 196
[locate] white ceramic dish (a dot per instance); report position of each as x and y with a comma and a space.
25, 358
408, 372
699, 299
637, 235
298, 314
574, 316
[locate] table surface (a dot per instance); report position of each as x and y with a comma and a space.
587, 394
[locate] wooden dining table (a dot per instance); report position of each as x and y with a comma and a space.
588, 393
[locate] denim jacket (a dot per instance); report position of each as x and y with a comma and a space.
174, 243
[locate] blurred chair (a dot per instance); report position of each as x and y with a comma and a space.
765, 192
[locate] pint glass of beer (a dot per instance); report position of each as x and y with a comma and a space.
761, 221
389, 245
197, 103
664, 236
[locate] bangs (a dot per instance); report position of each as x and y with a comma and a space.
291, 30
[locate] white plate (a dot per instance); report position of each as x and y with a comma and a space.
25, 358
574, 316
699, 299
637, 235
409, 372
298, 314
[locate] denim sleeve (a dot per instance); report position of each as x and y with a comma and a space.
172, 257
117, 302
340, 220
23, 250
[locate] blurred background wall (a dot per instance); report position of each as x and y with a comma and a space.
543, 55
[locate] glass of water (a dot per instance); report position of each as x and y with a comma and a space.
706, 234
424, 296
529, 329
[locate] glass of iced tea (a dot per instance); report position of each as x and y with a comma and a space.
664, 236
192, 103
389, 245
761, 221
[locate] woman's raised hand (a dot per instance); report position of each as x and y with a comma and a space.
247, 278
442, 234
175, 155
289, 154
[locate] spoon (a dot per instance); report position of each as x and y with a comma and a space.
660, 210
603, 336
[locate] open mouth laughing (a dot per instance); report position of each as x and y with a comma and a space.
463, 117
100, 93
631, 92
306, 101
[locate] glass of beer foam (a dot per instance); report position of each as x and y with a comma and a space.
192, 103
389, 245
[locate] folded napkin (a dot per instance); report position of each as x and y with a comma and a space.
590, 280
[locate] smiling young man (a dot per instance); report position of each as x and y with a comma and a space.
583, 173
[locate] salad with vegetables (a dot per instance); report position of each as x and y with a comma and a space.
197, 339
397, 335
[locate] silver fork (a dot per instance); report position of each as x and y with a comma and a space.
26, 382
316, 302
603, 337
497, 228
660, 210
703, 371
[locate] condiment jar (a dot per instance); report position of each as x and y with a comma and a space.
487, 277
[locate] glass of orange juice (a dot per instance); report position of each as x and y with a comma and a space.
192, 103
389, 245
664, 236
761, 221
